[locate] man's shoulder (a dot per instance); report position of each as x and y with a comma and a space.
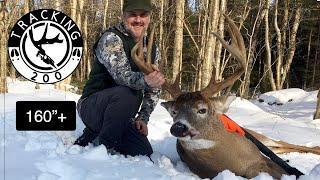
110, 37
117, 31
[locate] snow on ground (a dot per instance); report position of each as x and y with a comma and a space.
43, 156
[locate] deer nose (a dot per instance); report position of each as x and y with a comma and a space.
178, 129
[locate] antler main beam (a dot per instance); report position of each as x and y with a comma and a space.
238, 50
145, 65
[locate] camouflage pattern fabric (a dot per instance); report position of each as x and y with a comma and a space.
111, 54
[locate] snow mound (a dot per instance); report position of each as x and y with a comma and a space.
283, 96
227, 175
315, 171
245, 104
97, 153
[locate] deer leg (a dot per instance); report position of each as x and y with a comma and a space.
284, 147
281, 146
266, 166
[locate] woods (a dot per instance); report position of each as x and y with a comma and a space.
282, 39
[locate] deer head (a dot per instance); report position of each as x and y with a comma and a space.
192, 111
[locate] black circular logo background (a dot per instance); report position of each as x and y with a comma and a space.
45, 46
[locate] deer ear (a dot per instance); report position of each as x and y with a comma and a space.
228, 101
221, 104
168, 105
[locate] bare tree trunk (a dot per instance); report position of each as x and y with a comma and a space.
161, 39
62, 85
307, 62
57, 5
121, 5
292, 44
204, 11
80, 18
284, 29
268, 49
178, 40
105, 14
73, 6
218, 49
26, 7
206, 70
32, 5
315, 64
3, 54
282, 70
6, 19
86, 57
317, 113
12, 70
280, 49
244, 92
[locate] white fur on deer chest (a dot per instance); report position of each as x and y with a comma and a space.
193, 144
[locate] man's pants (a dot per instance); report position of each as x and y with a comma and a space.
108, 114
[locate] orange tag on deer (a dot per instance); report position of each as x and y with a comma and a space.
230, 125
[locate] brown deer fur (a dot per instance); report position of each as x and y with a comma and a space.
228, 151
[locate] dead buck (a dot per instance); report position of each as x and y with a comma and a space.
203, 143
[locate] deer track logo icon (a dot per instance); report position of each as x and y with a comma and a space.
45, 46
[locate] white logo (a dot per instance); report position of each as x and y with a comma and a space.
45, 46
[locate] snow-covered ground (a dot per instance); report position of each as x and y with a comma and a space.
43, 155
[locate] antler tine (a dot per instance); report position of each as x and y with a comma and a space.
238, 50
173, 89
138, 58
150, 43
237, 40
146, 67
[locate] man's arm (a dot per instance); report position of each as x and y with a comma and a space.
110, 53
150, 98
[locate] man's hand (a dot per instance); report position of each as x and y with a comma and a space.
141, 127
155, 79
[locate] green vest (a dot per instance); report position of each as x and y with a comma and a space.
99, 78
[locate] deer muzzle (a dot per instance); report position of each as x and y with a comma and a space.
179, 129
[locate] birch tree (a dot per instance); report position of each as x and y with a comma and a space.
74, 5
283, 61
6, 20
207, 63
202, 30
178, 40
3, 57
253, 42
268, 48
105, 14
217, 60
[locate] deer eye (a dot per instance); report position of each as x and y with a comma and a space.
202, 111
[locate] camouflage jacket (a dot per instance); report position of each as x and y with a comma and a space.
110, 53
